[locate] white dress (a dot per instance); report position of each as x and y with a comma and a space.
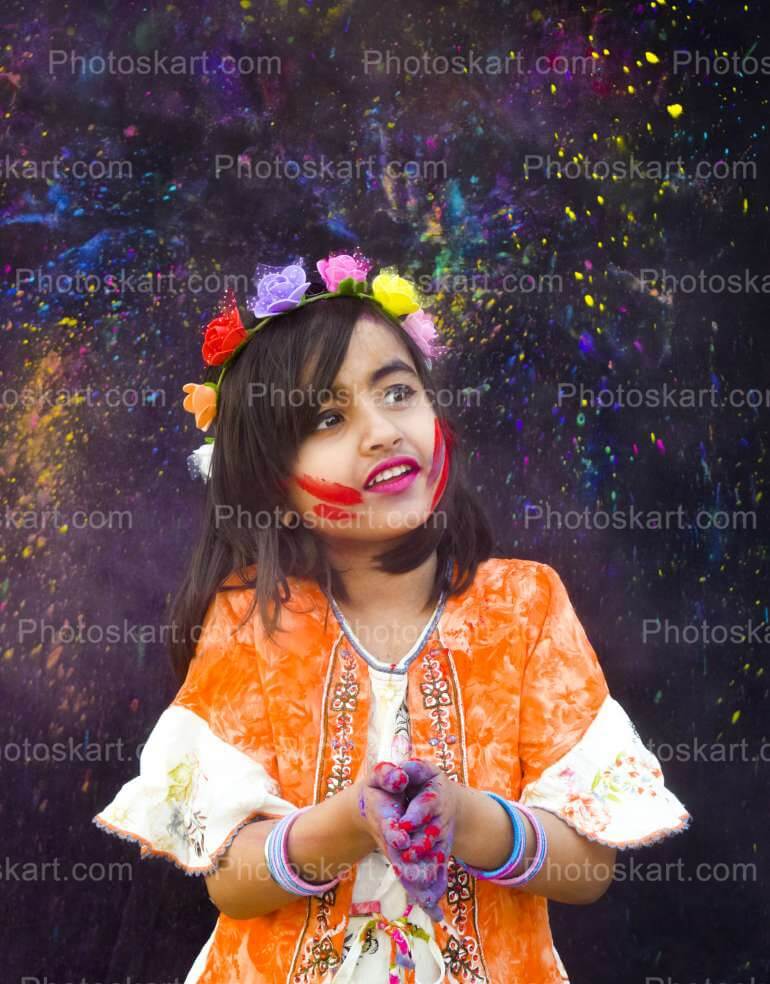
388, 741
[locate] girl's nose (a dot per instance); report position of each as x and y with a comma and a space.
378, 429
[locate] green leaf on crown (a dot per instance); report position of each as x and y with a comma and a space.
347, 286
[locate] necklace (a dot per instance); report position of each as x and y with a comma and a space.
403, 665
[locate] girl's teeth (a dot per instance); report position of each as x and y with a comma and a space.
390, 473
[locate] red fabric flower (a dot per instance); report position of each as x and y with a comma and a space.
223, 335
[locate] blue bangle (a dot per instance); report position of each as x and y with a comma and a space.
519, 844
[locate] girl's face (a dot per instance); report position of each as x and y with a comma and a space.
376, 410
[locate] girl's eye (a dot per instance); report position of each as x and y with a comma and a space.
403, 388
400, 389
326, 417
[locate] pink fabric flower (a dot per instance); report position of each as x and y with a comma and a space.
421, 328
335, 269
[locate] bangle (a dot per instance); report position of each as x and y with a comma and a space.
541, 848
500, 875
280, 867
519, 843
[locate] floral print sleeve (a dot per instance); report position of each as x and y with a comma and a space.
203, 774
581, 756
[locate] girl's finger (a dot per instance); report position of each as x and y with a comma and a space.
421, 809
421, 876
397, 839
424, 844
386, 809
389, 777
419, 771
423, 871
382, 813
428, 899
437, 885
435, 912
438, 856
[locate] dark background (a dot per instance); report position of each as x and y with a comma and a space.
481, 217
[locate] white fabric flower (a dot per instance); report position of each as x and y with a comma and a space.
199, 462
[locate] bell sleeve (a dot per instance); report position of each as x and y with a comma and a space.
581, 757
208, 767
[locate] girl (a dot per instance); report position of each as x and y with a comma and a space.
389, 749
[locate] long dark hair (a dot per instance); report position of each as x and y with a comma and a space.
268, 405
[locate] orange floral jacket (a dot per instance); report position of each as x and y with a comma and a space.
506, 695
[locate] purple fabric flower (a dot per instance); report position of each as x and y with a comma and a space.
278, 292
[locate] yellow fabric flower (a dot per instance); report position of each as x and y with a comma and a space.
396, 295
202, 402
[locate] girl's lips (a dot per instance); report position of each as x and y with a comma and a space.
395, 485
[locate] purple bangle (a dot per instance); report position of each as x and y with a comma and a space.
541, 848
279, 866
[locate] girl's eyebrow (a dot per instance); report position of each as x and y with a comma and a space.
395, 365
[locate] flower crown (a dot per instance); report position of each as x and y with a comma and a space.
280, 292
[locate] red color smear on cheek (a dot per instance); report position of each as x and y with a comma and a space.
331, 512
443, 478
342, 495
438, 444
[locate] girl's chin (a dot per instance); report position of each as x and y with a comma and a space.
395, 515
391, 524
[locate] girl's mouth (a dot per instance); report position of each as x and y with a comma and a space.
396, 484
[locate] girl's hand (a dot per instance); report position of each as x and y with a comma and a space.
380, 805
430, 820
428, 814
382, 799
